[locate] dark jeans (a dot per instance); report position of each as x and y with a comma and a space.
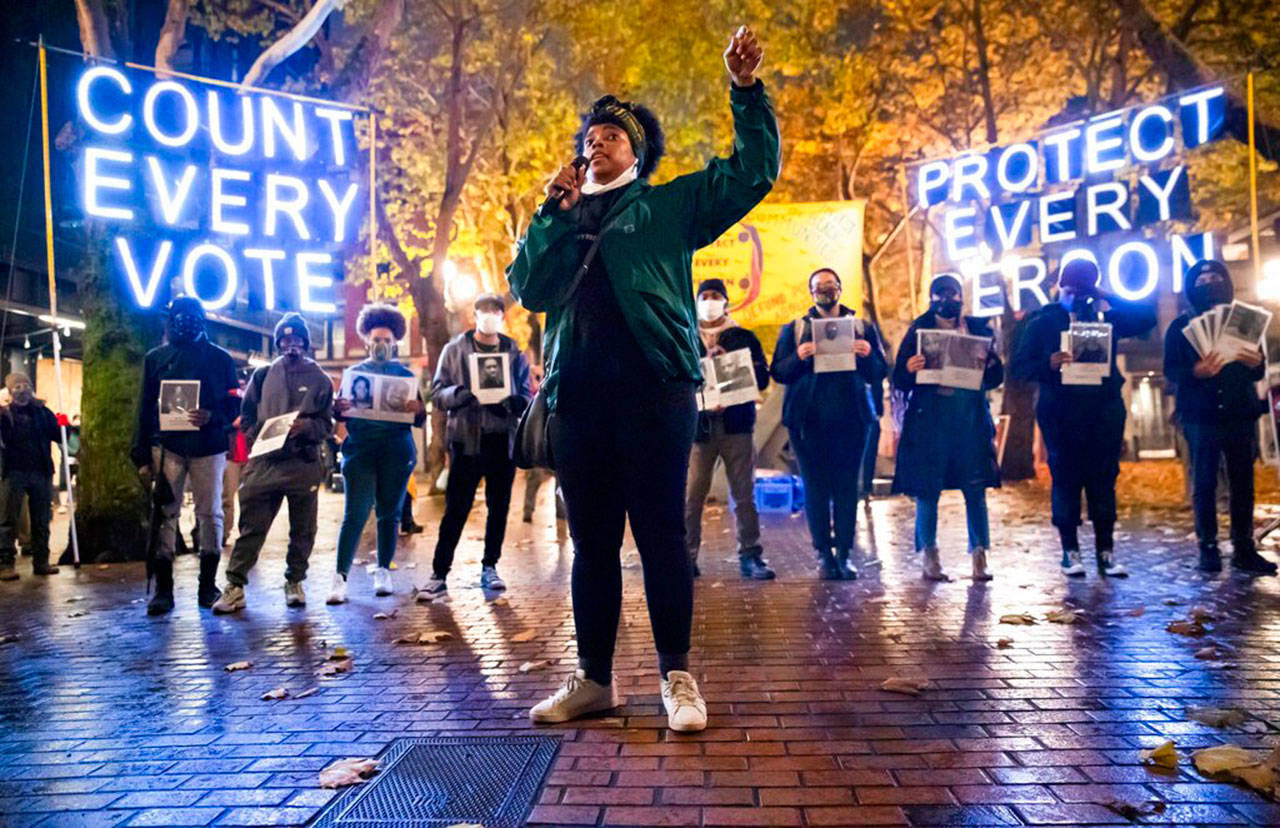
375, 477
38, 489
257, 513
625, 454
1210, 443
493, 465
1084, 442
830, 462
869, 458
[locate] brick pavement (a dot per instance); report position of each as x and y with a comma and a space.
111, 718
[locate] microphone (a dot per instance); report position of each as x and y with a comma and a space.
556, 195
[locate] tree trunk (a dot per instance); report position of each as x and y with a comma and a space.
984, 72
172, 34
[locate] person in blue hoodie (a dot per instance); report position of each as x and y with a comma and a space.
946, 434
827, 416
378, 455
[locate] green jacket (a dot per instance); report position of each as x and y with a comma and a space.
647, 249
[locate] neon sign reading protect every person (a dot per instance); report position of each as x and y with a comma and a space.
231, 194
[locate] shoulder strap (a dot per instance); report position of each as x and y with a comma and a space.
587, 260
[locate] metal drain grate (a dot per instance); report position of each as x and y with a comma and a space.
492, 782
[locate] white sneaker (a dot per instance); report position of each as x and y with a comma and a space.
980, 571
294, 596
433, 590
578, 696
1072, 566
1109, 566
931, 565
382, 585
338, 593
232, 600
686, 711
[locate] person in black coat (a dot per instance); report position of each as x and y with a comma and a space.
827, 416
946, 434
1082, 425
1218, 408
726, 434
28, 430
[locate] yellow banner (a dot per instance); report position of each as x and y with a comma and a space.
765, 259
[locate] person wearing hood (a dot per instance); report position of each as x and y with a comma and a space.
377, 457
727, 434
1082, 425
621, 350
828, 415
28, 431
293, 382
947, 434
480, 439
1218, 408
196, 456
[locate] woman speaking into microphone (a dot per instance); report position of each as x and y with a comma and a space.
610, 264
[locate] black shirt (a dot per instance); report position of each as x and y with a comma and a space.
28, 432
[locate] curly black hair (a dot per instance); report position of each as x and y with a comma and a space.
381, 315
654, 139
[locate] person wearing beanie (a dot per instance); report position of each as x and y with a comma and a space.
480, 438
195, 455
1218, 409
726, 434
378, 456
609, 260
947, 433
1082, 425
292, 383
827, 416
28, 430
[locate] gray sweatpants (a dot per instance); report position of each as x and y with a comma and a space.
738, 453
205, 476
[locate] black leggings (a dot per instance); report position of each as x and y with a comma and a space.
625, 453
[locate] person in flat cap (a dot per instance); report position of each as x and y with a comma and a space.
1218, 409
608, 259
947, 432
292, 384
1082, 424
727, 434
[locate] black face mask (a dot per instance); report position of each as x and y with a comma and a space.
1081, 304
1207, 296
826, 299
184, 329
947, 308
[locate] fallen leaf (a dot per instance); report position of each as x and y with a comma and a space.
385, 616
75, 599
717, 584
499, 602
278, 693
1021, 618
531, 666
310, 691
1194, 629
1200, 614
77, 614
1259, 777
1136, 612
522, 637
1004, 643
237, 666
339, 653
1172, 602
1223, 758
1215, 716
1212, 653
1165, 755
346, 772
428, 637
1134, 810
104, 566
334, 668
909, 686
1062, 616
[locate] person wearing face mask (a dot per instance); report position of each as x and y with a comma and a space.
197, 456
611, 267
827, 416
946, 434
1218, 408
727, 434
377, 457
481, 440
28, 431
292, 382
1082, 425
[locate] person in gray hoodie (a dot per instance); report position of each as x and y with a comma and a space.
292, 382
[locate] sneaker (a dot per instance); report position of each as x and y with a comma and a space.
382, 585
1109, 566
844, 564
1072, 566
1248, 560
980, 571
231, 600
931, 565
411, 527
577, 697
8, 573
294, 595
489, 579
1210, 558
754, 568
828, 567
686, 711
434, 589
338, 592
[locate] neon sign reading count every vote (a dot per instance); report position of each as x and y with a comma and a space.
230, 193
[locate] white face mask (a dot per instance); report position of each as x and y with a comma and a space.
488, 323
711, 310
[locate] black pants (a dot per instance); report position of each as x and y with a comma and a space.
625, 454
37, 488
869, 455
830, 464
258, 510
495, 467
1210, 443
1084, 440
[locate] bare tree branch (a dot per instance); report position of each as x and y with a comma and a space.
172, 33
95, 30
291, 42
